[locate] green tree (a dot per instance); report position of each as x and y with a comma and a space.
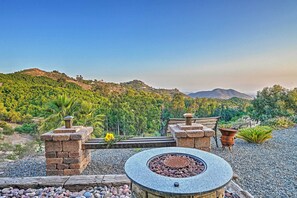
271, 102
292, 101
177, 106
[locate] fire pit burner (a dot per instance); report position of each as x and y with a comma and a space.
176, 161
176, 165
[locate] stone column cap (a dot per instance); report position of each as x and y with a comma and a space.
194, 126
63, 129
68, 118
177, 132
188, 115
81, 134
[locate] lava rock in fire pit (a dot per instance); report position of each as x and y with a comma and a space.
176, 165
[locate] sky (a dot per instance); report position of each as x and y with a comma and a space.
191, 45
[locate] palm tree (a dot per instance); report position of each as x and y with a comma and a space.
88, 115
59, 108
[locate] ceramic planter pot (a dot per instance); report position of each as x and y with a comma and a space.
227, 138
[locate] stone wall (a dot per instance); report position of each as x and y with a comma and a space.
64, 152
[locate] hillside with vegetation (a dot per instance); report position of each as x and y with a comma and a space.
38, 101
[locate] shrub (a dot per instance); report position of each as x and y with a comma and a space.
12, 156
279, 123
294, 118
6, 147
1, 133
19, 150
258, 134
7, 130
27, 118
3, 124
29, 128
225, 125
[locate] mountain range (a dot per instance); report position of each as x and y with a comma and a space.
220, 94
111, 88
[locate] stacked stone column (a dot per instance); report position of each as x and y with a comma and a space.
64, 150
192, 135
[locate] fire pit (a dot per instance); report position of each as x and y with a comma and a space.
177, 172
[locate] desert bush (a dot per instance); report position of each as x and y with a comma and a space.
7, 130
18, 151
294, 118
1, 133
12, 156
279, 123
3, 124
29, 128
258, 134
6, 147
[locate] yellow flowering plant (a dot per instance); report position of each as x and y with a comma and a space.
109, 137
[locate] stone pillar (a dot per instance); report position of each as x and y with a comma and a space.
192, 136
64, 151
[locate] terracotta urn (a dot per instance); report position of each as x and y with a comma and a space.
227, 137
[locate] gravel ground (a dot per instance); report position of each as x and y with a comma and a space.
267, 170
109, 161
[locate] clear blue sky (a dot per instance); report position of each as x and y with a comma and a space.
184, 44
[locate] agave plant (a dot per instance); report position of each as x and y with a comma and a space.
258, 134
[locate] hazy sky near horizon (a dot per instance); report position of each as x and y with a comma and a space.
186, 44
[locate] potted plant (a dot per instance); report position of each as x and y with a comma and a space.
228, 134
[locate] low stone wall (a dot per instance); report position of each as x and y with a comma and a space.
64, 151
72, 183
80, 182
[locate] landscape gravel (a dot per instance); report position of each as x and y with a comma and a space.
59, 192
266, 170
91, 192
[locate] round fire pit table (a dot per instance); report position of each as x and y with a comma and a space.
177, 172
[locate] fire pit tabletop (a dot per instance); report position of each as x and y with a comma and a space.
216, 175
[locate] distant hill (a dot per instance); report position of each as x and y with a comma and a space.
141, 86
220, 94
55, 75
101, 86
